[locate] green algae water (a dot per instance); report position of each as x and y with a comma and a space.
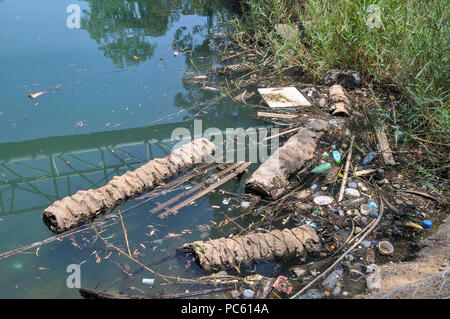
114, 89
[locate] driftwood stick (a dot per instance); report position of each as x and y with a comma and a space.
95, 294
420, 194
277, 115
176, 198
282, 133
371, 228
174, 210
384, 145
347, 166
125, 233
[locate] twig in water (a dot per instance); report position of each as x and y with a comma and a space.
124, 233
283, 133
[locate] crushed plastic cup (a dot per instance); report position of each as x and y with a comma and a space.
365, 209
323, 200
385, 247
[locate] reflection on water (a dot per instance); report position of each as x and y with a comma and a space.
122, 82
125, 29
51, 168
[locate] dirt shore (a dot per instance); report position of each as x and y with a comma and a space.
432, 258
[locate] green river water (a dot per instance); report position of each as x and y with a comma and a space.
114, 95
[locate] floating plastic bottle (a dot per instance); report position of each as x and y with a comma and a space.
369, 158
321, 168
337, 156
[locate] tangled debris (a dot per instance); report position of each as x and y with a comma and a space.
301, 195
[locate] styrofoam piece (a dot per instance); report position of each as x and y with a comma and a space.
283, 97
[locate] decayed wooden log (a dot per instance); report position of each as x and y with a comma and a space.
338, 101
228, 252
271, 178
96, 294
385, 147
83, 206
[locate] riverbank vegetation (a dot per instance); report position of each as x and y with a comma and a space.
398, 46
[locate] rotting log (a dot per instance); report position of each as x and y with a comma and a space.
385, 147
96, 294
84, 206
271, 178
229, 252
338, 101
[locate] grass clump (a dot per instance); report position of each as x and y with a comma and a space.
397, 44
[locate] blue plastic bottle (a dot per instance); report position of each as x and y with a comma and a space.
373, 209
369, 158
337, 156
